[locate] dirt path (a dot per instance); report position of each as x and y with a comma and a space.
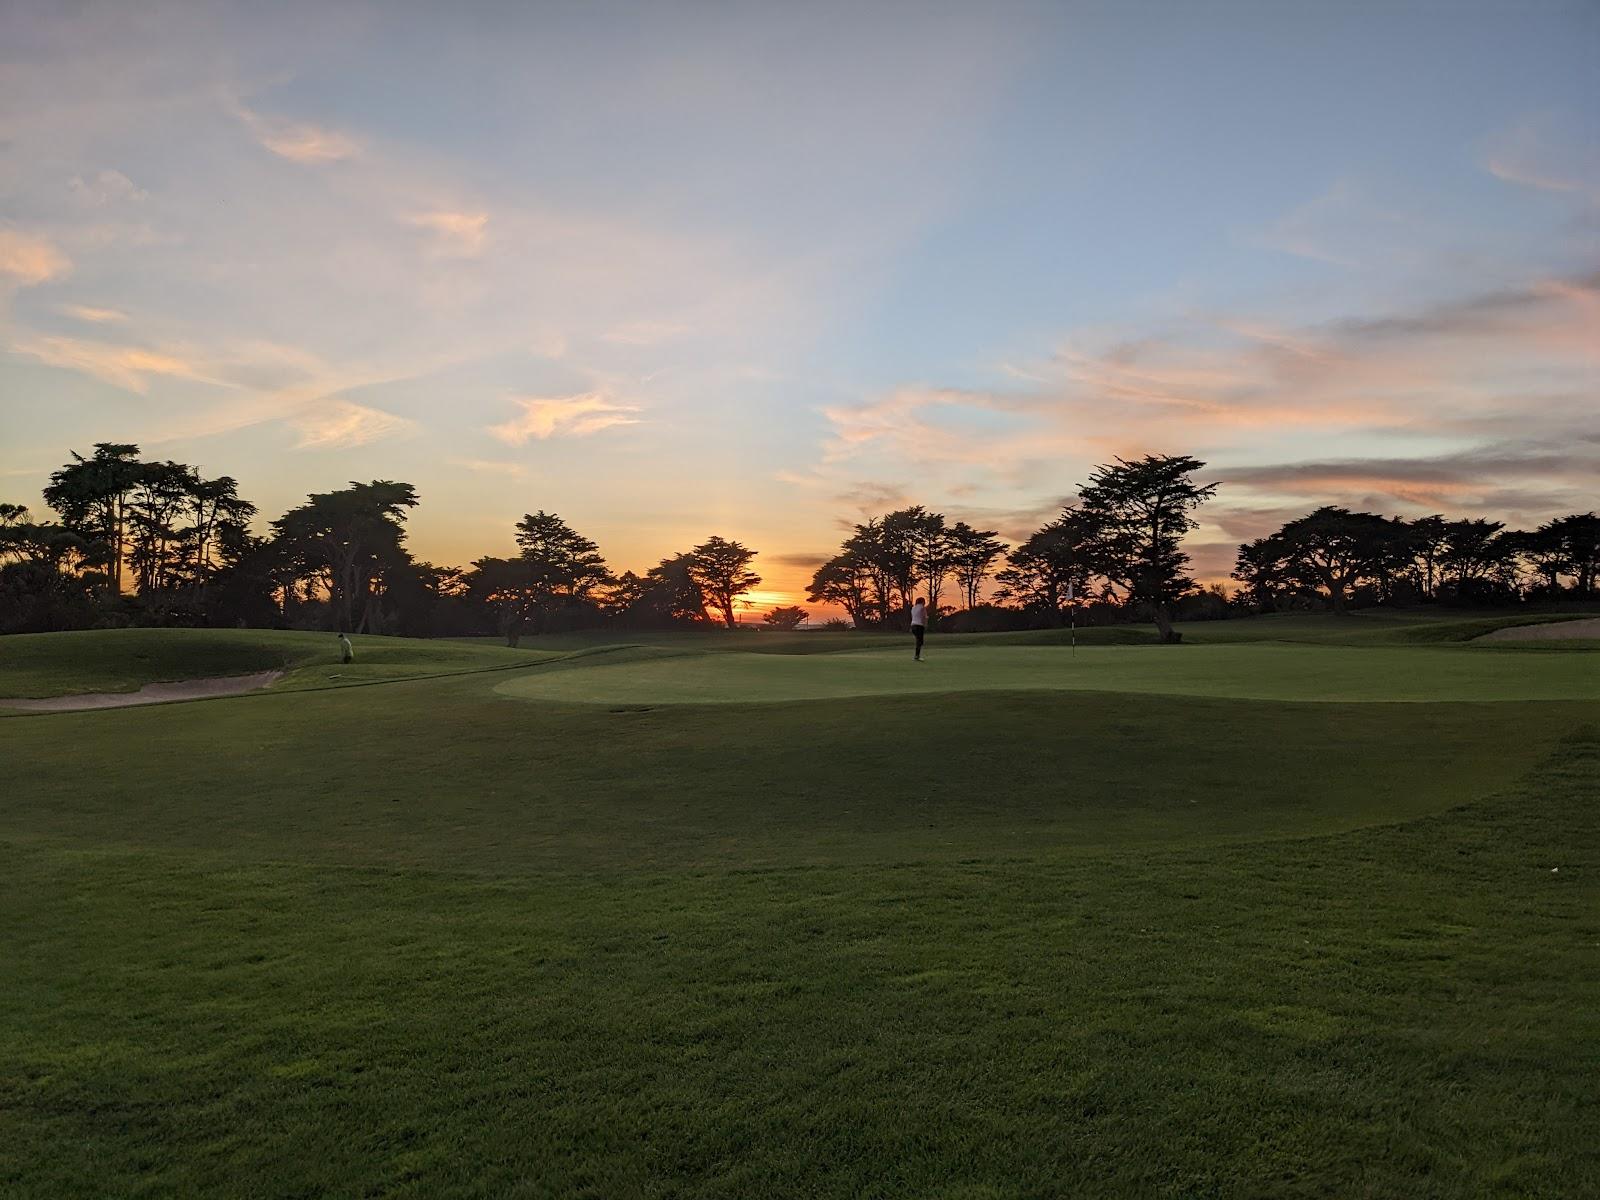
151, 693
1554, 631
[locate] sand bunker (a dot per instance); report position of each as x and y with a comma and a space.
1552, 631
151, 693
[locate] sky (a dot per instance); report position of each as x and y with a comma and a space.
762, 270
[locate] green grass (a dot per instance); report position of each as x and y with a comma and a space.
1240, 671
124, 660
422, 939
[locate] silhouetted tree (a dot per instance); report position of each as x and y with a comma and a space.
1335, 549
1142, 510
1480, 561
722, 570
845, 582
1056, 560
346, 540
1265, 567
786, 617
1578, 536
1429, 536
665, 596
558, 571
974, 553
91, 494
513, 590
672, 594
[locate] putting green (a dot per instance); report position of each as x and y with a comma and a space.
1244, 671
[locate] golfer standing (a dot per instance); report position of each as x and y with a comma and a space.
347, 653
919, 624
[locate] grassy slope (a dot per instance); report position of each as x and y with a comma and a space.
1405, 1011
443, 774
124, 660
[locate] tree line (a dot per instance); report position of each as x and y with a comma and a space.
1341, 558
137, 542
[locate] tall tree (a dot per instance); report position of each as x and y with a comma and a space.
1429, 536
1143, 510
1334, 549
219, 526
1055, 562
1578, 535
665, 596
672, 595
722, 570
49, 545
1475, 554
91, 494
1266, 568
845, 582
346, 540
158, 502
568, 567
512, 589
974, 554
933, 554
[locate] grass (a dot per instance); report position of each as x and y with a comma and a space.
124, 660
1238, 671
421, 939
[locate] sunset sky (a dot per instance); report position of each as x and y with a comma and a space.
679, 269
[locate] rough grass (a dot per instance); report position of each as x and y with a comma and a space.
124, 660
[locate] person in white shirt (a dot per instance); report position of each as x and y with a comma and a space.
346, 651
919, 624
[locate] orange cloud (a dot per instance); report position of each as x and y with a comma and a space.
29, 259
329, 424
298, 141
563, 416
95, 316
460, 233
126, 367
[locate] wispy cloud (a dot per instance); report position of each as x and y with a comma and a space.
458, 233
1541, 153
490, 466
548, 343
1336, 227
298, 141
95, 316
101, 189
127, 367
563, 416
1533, 474
644, 333
30, 259
332, 424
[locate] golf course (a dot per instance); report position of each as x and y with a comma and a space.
1306, 905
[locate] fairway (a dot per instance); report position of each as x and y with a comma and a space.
1249, 671
1308, 908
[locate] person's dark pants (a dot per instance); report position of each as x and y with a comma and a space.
917, 631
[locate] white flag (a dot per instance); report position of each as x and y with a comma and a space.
1072, 593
